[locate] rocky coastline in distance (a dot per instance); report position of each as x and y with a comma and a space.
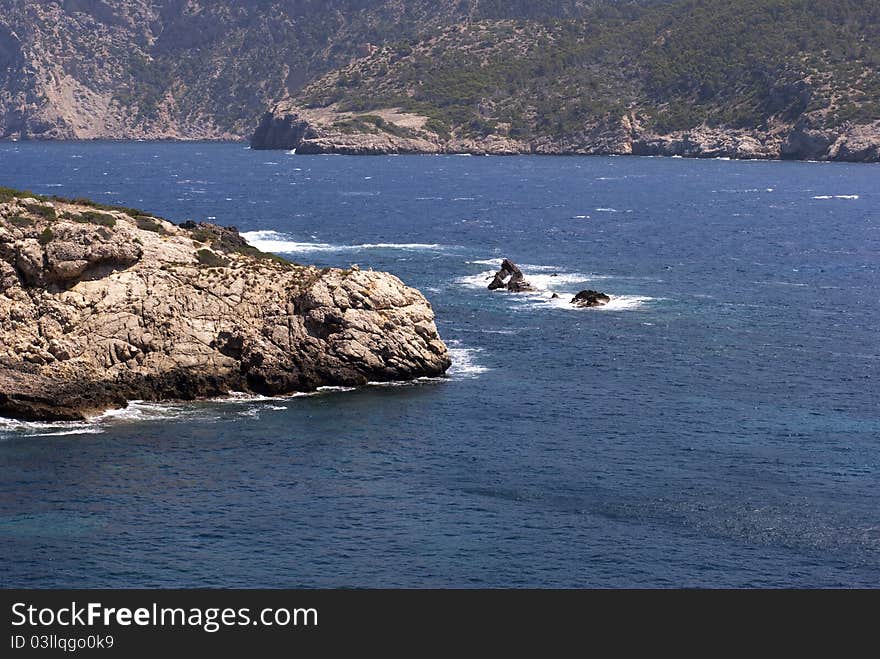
102, 305
393, 131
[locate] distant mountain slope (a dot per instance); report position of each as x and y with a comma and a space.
740, 78
194, 69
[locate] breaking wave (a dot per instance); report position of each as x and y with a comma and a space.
281, 243
564, 284
464, 361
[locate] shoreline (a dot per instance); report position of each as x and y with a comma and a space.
474, 153
309, 130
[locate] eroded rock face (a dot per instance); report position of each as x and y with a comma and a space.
511, 278
100, 308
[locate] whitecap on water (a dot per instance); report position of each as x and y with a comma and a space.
617, 303
464, 361
139, 410
16, 428
273, 241
405, 246
242, 397
407, 383
563, 284
540, 280
837, 196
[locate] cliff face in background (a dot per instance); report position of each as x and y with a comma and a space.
192, 69
743, 79
739, 78
103, 305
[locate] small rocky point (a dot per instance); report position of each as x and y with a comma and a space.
100, 305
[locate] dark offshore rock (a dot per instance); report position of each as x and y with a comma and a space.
99, 308
511, 278
590, 298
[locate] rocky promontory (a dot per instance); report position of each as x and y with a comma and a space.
100, 305
394, 131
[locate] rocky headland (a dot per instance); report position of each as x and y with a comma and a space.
395, 131
102, 305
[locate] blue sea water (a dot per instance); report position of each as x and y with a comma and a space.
716, 425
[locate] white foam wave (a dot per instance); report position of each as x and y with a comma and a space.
273, 241
617, 303
540, 281
139, 410
77, 431
626, 302
407, 383
607, 210
464, 361
243, 397
836, 196
415, 246
14, 427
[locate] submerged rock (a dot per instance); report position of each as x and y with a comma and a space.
590, 298
98, 307
511, 278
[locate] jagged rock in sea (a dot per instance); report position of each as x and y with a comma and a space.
99, 306
511, 278
590, 298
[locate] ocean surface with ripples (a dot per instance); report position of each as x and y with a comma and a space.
716, 424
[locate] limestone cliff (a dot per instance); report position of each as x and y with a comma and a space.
99, 306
